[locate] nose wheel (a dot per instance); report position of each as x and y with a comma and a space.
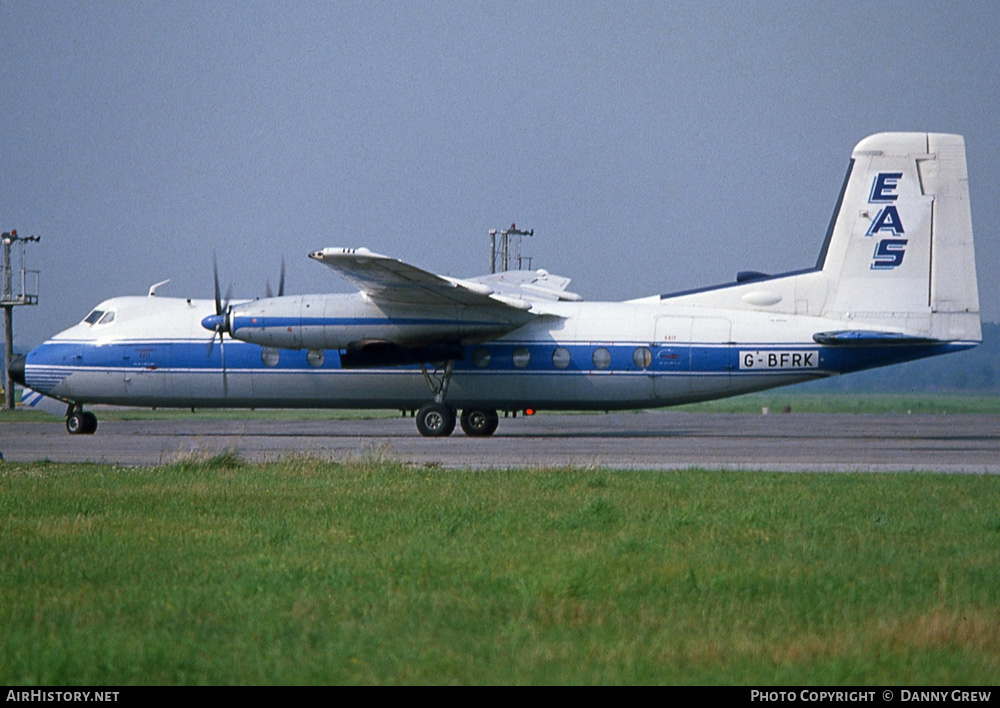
81, 423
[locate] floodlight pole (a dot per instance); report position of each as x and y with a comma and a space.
9, 300
504, 250
8, 354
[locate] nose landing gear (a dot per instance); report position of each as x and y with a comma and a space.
80, 422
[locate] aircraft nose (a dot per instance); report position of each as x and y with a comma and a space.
16, 369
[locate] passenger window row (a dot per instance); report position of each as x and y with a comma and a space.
561, 357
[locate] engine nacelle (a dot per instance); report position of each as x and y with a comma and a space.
324, 322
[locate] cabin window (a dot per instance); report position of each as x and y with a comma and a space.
602, 358
642, 357
521, 357
108, 318
560, 358
315, 357
269, 356
481, 357
94, 316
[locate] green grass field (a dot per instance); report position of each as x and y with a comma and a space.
305, 572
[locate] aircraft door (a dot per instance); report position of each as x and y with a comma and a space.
140, 368
671, 363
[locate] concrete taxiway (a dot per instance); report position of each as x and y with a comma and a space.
649, 440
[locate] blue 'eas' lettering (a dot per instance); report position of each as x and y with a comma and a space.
884, 186
889, 253
887, 220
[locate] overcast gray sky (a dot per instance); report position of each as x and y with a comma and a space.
652, 146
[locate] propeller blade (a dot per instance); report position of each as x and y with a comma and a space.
218, 306
225, 380
220, 323
281, 283
215, 278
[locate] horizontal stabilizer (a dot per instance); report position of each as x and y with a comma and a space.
866, 338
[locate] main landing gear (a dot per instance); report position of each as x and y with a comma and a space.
80, 422
437, 419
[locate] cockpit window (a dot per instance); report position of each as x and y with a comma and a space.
102, 317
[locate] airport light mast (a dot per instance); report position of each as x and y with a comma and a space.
25, 294
510, 243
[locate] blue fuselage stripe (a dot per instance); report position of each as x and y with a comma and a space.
250, 321
497, 357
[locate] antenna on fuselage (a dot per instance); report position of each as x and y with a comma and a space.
152, 288
509, 249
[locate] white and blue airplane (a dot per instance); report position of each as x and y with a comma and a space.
895, 281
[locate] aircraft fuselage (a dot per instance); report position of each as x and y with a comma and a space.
576, 356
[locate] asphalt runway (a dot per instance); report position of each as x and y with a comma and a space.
647, 440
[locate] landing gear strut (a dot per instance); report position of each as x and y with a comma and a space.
80, 422
439, 379
437, 419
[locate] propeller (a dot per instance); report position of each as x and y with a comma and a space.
219, 322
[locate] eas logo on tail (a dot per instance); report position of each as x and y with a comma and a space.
890, 251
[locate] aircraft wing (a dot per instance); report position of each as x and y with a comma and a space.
389, 280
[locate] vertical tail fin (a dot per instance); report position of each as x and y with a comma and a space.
899, 251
